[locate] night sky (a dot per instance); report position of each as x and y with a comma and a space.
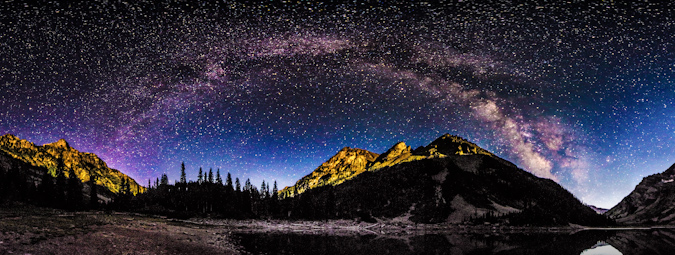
580, 93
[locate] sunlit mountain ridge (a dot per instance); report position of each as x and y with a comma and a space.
451, 180
350, 162
60, 157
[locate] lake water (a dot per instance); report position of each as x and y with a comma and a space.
595, 242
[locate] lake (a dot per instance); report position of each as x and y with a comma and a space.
588, 242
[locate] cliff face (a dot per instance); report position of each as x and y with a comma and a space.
59, 157
652, 201
346, 164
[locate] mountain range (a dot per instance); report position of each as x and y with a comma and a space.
60, 157
449, 180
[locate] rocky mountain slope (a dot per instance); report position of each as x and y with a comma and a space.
346, 164
449, 180
652, 201
59, 156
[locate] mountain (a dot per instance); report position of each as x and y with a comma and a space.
651, 202
449, 180
598, 210
346, 164
60, 157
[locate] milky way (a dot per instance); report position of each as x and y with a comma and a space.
578, 93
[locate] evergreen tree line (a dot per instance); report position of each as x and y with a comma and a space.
27, 184
210, 195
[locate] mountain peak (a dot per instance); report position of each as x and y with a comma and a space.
347, 148
344, 165
449, 144
9, 140
450, 138
396, 154
450, 180
349, 162
61, 143
400, 146
670, 171
9, 136
52, 155
598, 210
650, 202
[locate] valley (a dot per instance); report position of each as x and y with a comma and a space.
450, 189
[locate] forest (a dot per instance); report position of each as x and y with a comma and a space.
211, 195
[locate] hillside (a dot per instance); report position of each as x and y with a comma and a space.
449, 180
651, 202
346, 164
59, 156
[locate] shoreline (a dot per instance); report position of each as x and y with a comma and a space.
34, 230
388, 228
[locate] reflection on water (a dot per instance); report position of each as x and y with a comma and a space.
602, 248
655, 241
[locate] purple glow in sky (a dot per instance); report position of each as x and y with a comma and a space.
580, 93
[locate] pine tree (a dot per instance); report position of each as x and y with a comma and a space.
246, 197
200, 177
127, 187
263, 187
124, 197
74, 191
124, 186
93, 192
267, 190
228, 182
47, 190
237, 185
329, 206
3, 186
60, 188
165, 180
183, 177
210, 175
247, 185
219, 180
274, 203
275, 191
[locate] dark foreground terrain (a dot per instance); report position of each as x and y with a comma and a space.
30, 230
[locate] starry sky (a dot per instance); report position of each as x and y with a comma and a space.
581, 93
